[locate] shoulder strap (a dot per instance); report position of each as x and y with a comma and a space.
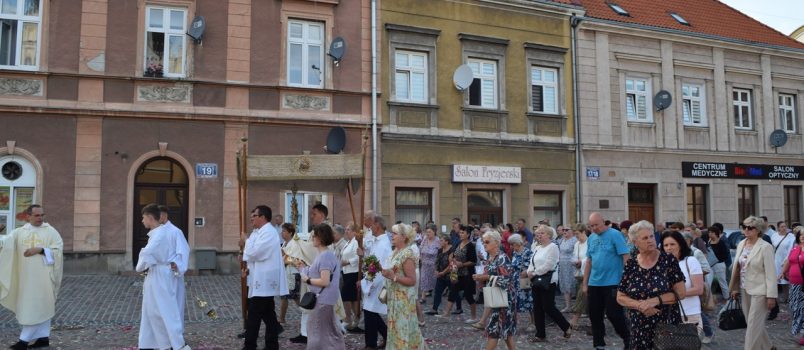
780, 242
680, 306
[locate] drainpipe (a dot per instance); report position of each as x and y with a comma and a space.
374, 105
574, 22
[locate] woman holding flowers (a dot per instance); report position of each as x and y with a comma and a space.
400, 282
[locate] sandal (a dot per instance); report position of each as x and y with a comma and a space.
538, 340
421, 324
477, 325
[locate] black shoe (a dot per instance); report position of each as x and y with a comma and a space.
241, 335
457, 312
40, 343
20, 345
281, 329
300, 339
773, 313
431, 312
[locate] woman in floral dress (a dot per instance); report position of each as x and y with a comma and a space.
502, 323
400, 282
520, 261
429, 251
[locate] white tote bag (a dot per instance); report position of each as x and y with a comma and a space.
493, 296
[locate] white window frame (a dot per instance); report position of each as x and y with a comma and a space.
545, 85
492, 78
787, 103
635, 95
21, 19
410, 71
737, 106
306, 43
687, 100
168, 32
304, 200
27, 181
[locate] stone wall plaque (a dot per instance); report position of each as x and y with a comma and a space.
20, 87
179, 93
305, 167
306, 102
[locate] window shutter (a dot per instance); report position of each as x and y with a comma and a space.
474, 93
536, 92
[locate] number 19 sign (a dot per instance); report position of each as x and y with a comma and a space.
206, 170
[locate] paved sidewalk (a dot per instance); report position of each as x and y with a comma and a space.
103, 312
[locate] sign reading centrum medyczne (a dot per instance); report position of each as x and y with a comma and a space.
486, 174
741, 171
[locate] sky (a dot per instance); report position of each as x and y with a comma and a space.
782, 15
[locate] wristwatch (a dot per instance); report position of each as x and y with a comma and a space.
308, 281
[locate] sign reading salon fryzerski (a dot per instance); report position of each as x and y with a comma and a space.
486, 174
741, 171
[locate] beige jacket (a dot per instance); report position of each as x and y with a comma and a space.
760, 274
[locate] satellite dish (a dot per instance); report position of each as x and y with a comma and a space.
337, 49
662, 100
197, 28
336, 140
778, 138
463, 76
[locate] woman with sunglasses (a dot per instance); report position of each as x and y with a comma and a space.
753, 280
502, 321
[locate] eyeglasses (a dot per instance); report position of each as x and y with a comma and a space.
486, 242
746, 227
255, 215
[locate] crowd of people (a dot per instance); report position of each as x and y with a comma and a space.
639, 276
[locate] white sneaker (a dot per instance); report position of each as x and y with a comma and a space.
470, 321
706, 340
185, 347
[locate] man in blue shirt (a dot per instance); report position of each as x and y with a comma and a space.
522, 229
606, 257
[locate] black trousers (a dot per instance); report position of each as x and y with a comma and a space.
544, 303
440, 286
604, 300
466, 285
261, 310
374, 325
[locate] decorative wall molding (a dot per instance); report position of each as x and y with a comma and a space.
20, 87
743, 70
180, 93
692, 64
640, 58
306, 102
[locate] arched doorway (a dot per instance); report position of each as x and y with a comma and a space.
17, 191
160, 180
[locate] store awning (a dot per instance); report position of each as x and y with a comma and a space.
305, 167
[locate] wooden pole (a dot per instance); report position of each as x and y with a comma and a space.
242, 198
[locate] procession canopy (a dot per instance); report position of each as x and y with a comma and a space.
305, 167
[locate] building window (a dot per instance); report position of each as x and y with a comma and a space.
696, 203
792, 204
305, 53
544, 90
20, 27
302, 204
483, 91
693, 105
548, 205
637, 100
787, 111
414, 204
741, 101
17, 190
746, 201
165, 42
411, 76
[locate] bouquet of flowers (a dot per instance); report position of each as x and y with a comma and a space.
371, 266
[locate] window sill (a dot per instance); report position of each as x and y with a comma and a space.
411, 104
636, 124
546, 115
696, 127
747, 132
483, 110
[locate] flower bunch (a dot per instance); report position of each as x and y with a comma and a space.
371, 266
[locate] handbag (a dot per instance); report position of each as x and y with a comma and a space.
309, 299
732, 316
542, 281
676, 336
493, 296
524, 283
383, 296
706, 299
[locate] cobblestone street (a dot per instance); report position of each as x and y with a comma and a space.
102, 312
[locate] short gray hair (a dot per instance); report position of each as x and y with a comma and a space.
339, 229
515, 239
494, 235
633, 231
547, 229
406, 230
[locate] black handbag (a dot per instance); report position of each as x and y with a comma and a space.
732, 316
542, 281
309, 299
676, 336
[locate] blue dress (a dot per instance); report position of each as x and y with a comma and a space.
502, 321
520, 261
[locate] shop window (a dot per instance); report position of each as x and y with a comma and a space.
548, 205
20, 34
697, 205
17, 192
414, 204
792, 204
305, 58
746, 201
165, 42
485, 206
299, 206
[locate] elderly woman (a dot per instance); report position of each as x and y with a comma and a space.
400, 282
324, 277
502, 322
566, 268
464, 258
543, 262
349, 264
753, 279
429, 251
651, 285
520, 261
673, 243
791, 271
579, 261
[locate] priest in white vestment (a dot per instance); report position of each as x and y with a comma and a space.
179, 261
160, 326
30, 277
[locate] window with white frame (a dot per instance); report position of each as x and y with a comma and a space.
20, 34
302, 205
741, 101
165, 42
544, 90
693, 105
637, 100
17, 191
305, 53
483, 91
410, 78
787, 111
413, 204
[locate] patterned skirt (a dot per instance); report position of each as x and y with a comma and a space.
324, 331
797, 308
566, 277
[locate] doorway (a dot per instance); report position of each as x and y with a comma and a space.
163, 181
641, 202
485, 206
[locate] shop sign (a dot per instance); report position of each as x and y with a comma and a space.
486, 174
206, 170
741, 171
592, 173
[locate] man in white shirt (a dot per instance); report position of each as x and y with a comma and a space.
378, 245
261, 252
179, 260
